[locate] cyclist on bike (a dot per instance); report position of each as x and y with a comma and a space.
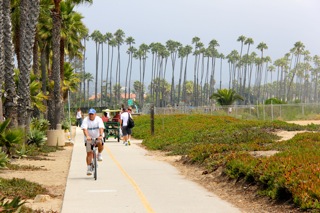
92, 127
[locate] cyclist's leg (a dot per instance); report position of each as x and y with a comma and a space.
89, 157
100, 146
89, 152
100, 149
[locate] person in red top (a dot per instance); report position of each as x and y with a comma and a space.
116, 118
105, 117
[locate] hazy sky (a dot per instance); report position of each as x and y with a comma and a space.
278, 23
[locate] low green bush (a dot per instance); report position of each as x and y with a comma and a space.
36, 137
11, 188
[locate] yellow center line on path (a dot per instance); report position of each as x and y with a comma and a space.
133, 183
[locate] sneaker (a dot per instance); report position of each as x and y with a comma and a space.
89, 172
126, 143
129, 143
99, 157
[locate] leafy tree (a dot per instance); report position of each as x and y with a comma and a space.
226, 97
274, 101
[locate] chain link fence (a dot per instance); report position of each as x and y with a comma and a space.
259, 112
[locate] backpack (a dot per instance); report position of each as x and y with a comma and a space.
130, 122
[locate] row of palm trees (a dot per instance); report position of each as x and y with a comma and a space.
251, 74
40, 35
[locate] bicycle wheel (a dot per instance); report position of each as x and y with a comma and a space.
95, 164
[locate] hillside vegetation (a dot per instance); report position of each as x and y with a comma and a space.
221, 141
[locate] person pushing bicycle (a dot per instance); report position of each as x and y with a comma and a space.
92, 127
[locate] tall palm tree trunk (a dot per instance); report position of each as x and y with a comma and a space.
1, 57
10, 88
29, 13
55, 111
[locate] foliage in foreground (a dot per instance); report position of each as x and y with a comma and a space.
20, 188
11, 206
222, 141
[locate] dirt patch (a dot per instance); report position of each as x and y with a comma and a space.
52, 175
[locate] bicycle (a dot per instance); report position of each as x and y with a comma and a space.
94, 163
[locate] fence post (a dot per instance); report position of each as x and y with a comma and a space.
152, 118
271, 111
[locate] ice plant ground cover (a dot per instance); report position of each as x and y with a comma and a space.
221, 141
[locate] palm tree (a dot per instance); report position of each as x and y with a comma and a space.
261, 46
316, 71
297, 51
249, 42
138, 87
185, 93
85, 38
29, 13
240, 39
129, 41
271, 69
44, 37
173, 47
89, 78
1, 57
55, 109
196, 53
108, 37
103, 40
233, 58
10, 89
181, 55
221, 56
71, 81
141, 55
97, 37
213, 55
226, 96
72, 31
112, 43
119, 37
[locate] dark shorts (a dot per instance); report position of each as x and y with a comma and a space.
126, 131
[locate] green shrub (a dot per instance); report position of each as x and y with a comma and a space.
36, 137
65, 125
3, 159
39, 124
20, 187
12, 206
274, 101
9, 138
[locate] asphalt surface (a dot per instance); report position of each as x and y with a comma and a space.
130, 181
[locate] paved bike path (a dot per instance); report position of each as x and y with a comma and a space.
129, 181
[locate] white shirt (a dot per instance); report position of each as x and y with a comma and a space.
93, 126
124, 117
79, 114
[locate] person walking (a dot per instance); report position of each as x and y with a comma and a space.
124, 117
92, 127
79, 117
129, 130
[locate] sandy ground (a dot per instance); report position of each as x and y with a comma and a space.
52, 176
56, 167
